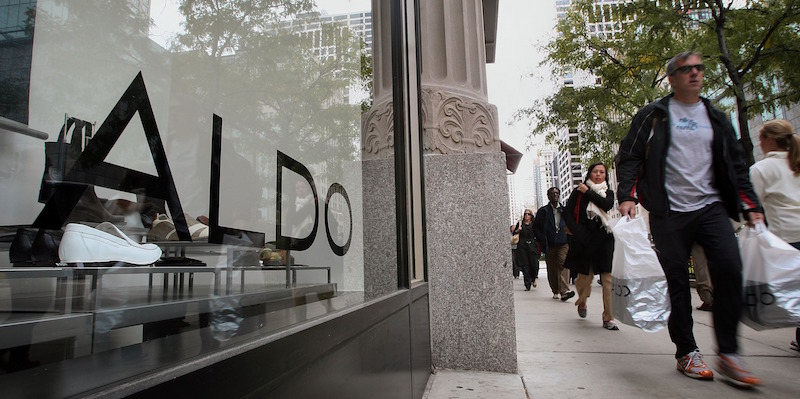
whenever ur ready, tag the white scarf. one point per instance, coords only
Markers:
(592, 210)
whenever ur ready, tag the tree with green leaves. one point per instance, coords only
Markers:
(253, 62)
(281, 76)
(747, 46)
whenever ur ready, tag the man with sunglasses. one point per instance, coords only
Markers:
(681, 161)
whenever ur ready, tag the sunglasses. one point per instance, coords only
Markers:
(528, 213)
(688, 68)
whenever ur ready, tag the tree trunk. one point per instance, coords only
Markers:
(744, 130)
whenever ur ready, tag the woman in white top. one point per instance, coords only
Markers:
(776, 179)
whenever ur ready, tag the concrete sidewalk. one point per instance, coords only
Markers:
(563, 356)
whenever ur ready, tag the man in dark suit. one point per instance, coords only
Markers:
(549, 227)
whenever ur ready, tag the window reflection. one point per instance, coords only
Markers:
(284, 78)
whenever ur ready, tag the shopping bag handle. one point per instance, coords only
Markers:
(758, 228)
(622, 220)
(639, 212)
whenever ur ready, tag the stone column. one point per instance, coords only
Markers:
(377, 150)
(466, 196)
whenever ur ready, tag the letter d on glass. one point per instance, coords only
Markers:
(292, 243)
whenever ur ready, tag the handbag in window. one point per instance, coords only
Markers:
(60, 155)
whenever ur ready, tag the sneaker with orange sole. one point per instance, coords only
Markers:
(693, 366)
(732, 367)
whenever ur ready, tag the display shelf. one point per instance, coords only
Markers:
(291, 272)
(19, 329)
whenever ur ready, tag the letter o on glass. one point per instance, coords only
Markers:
(333, 189)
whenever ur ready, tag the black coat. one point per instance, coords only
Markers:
(590, 245)
(642, 158)
(545, 224)
(528, 247)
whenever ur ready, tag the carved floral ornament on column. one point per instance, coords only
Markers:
(377, 126)
(453, 124)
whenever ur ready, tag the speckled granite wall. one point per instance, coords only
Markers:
(469, 263)
(353, 260)
(380, 231)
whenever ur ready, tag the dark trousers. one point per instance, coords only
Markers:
(528, 261)
(673, 236)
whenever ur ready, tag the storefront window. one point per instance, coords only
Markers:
(228, 138)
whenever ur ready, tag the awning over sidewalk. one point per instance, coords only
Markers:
(513, 157)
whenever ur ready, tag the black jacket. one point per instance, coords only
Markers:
(641, 162)
(545, 225)
(527, 235)
(590, 246)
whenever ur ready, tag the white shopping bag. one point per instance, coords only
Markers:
(771, 271)
(640, 291)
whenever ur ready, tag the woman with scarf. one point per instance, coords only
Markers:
(591, 245)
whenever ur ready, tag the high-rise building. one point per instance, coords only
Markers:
(567, 167)
(16, 44)
(325, 47)
(514, 208)
(538, 183)
(606, 24)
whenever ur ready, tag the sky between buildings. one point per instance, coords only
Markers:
(515, 79)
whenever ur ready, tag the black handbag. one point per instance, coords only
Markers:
(60, 155)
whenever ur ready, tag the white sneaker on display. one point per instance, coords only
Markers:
(104, 243)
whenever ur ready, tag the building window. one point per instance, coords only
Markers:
(16, 43)
(233, 155)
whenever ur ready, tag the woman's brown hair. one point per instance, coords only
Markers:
(783, 133)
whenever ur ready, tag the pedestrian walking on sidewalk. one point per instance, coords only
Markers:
(527, 249)
(702, 279)
(552, 235)
(591, 245)
(514, 265)
(776, 179)
(681, 160)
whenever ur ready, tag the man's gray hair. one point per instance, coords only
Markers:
(672, 64)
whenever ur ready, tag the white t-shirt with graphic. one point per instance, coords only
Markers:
(689, 170)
